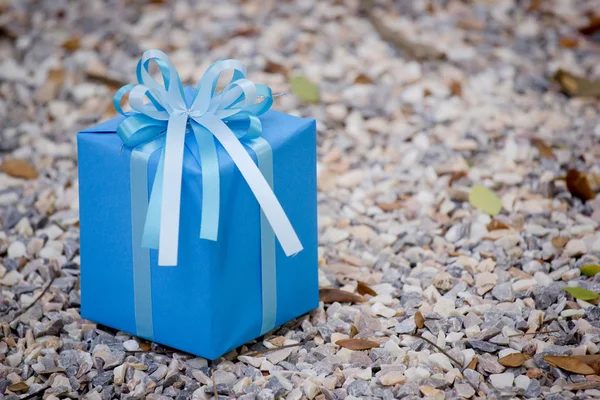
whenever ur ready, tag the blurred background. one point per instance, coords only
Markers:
(455, 138)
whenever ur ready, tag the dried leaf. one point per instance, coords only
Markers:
(576, 86)
(72, 44)
(275, 68)
(513, 360)
(456, 175)
(570, 364)
(485, 200)
(473, 364)
(590, 269)
(592, 27)
(535, 5)
(18, 387)
(581, 293)
(495, 225)
(363, 289)
(357, 344)
(363, 79)
(145, 346)
(50, 89)
(353, 331)
(19, 169)
(304, 89)
(419, 320)
(544, 150)
(568, 42)
(330, 295)
(559, 242)
(456, 88)
(589, 359)
(579, 185)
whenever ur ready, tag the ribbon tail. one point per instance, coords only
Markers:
(151, 236)
(264, 155)
(209, 162)
(142, 284)
(260, 188)
(171, 190)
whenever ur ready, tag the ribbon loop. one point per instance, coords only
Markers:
(167, 115)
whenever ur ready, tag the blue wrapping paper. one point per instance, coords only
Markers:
(211, 302)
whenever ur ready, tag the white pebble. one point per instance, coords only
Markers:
(502, 380)
(16, 250)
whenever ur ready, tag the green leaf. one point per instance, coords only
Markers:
(590, 269)
(485, 200)
(304, 89)
(581, 293)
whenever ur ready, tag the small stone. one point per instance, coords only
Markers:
(131, 345)
(575, 247)
(441, 361)
(17, 250)
(310, 389)
(416, 374)
(432, 393)
(464, 390)
(406, 326)
(503, 292)
(502, 380)
(392, 378)
(522, 381)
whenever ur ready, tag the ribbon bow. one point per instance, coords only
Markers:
(164, 121)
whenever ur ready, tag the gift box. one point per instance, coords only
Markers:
(228, 269)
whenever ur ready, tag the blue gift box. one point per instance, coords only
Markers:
(212, 301)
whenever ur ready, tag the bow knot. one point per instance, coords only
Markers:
(228, 116)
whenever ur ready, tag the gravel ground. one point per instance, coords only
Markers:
(418, 103)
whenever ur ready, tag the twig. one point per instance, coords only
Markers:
(437, 347)
(153, 351)
(534, 333)
(256, 353)
(212, 376)
(418, 50)
(23, 311)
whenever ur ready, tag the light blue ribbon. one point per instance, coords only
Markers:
(231, 117)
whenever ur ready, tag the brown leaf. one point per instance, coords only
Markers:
(19, 169)
(576, 86)
(534, 5)
(357, 344)
(363, 289)
(389, 206)
(514, 360)
(473, 364)
(456, 88)
(73, 43)
(589, 359)
(50, 89)
(559, 242)
(363, 79)
(419, 320)
(592, 27)
(570, 364)
(544, 150)
(495, 225)
(456, 175)
(275, 68)
(247, 31)
(568, 42)
(579, 185)
(145, 346)
(18, 387)
(330, 295)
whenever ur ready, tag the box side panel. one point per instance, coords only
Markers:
(106, 274)
(296, 186)
(238, 274)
